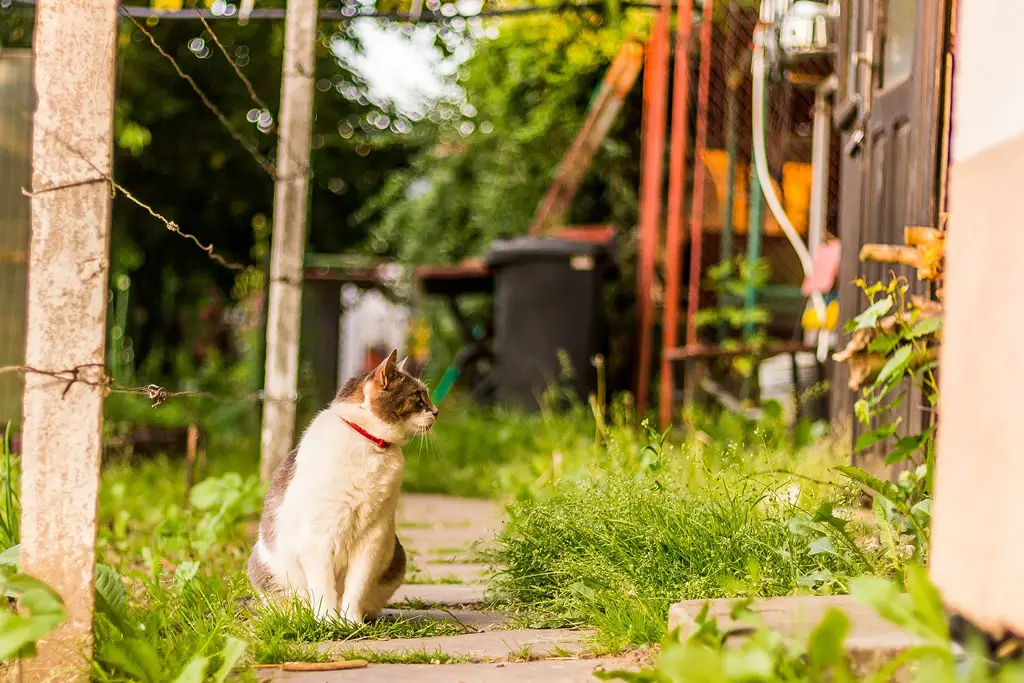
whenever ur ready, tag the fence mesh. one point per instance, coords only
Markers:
(789, 124)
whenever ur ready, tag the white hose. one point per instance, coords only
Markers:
(771, 198)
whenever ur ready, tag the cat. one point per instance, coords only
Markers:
(327, 532)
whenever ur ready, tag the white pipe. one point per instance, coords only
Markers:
(771, 198)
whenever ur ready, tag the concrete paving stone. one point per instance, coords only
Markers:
(481, 646)
(417, 508)
(548, 671)
(871, 640)
(441, 593)
(478, 620)
(436, 572)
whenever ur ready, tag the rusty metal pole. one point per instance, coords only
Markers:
(653, 151)
(676, 189)
(74, 51)
(977, 560)
(697, 205)
(291, 209)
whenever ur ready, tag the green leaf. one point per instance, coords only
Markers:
(232, 652)
(825, 645)
(884, 344)
(11, 557)
(927, 602)
(862, 411)
(40, 612)
(886, 489)
(185, 572)
(907, 446)
(869, 318)
(925, 327)
(112, 598)
(869, 439)
(821, 546)
(194, 671)
(895, 367)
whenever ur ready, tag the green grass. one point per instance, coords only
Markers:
(640, 522)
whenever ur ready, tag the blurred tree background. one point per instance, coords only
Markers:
(429, 177)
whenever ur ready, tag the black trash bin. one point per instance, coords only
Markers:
(547, 301)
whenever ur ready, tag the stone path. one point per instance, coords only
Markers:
(446, 583)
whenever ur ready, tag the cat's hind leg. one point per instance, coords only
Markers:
(387, 583)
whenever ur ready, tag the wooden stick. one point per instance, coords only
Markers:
(918, 236)
(325, 666)
(888, 253)
(190, 460)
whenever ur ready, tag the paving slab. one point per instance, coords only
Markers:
(449, 572)
(441, 594)
(548, 671)
(477, 620)
(871, 640)
(481, 646)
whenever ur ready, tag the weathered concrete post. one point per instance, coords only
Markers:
(977, 553)
(74, 50)
(291, 200)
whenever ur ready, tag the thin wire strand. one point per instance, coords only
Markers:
(257, 100)
(263, 162)
(208, 248)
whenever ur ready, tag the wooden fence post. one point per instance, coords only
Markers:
(977, 558)
(74, 49)
(291, 201)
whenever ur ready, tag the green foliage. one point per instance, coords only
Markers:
(766, 656)
(647, 522)
(904, 336)
(9, 506)
(527, 89)
(39, 611)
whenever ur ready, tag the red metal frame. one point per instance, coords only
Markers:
(652, 162)
(697, 206)
(676, 189)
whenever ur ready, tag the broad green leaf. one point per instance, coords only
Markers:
(111, 596)
(194, 671)
(825, 646)
(869, 439)
(821, 546)
(925, 327)
(862, 411)
(870, 316)
(135, 657)
(749, 664)
(232, 652)
(886, 489)
(907, 446)
(895, 366)
(11, 557)
(185, 572)
(884, 344)
(927, 602)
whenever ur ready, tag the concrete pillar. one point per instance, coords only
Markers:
(977, 549)
(72, 145)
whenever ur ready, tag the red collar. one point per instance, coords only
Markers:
(379, 443)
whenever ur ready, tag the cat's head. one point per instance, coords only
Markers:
(397, 400)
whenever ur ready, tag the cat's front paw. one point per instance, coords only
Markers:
(352, 615)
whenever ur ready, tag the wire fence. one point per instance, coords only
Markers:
(789, 126)
(789, 121)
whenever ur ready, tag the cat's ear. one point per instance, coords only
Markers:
(386, 371)
(403, 364)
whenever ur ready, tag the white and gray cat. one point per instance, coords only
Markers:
(327, 533)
